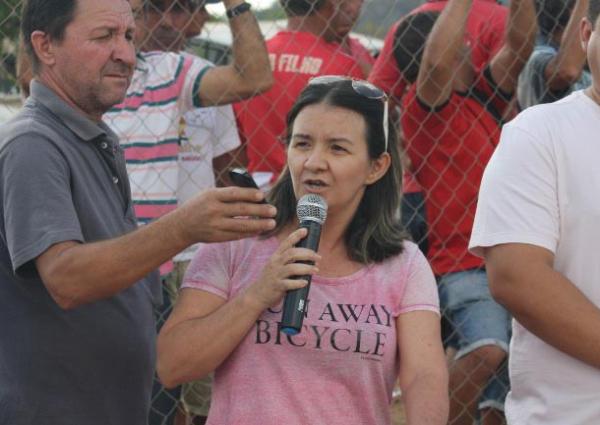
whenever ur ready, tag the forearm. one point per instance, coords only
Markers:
(565, 68)
(83, 273)
(521, 31)
(551, 307)
(447, 36)
(203, 330)
(423, 371)
(426, 400)
(80, 273)
(519, 40)
(250, 57)
(208, 341)
(439, 61)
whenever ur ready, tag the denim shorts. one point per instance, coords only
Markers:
(474, 320)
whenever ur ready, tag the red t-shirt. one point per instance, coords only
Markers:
(449, 148)
(485, 34)
(295, 57)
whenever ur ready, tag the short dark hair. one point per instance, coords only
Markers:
(593, 11)
(49, 16)
(301, 7)
(375, 232)
(409, 42)
(553, 15)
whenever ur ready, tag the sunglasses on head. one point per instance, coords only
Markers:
(363, 88)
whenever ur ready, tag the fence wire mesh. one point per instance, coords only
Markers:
(447, 112)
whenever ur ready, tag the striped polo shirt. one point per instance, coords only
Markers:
(163, 88)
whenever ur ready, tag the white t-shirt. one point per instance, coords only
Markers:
(207, 133)
(542, 187)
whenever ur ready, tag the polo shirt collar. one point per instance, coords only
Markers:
(79, 124)
(141, 64)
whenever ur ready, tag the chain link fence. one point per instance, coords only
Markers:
(445, 146)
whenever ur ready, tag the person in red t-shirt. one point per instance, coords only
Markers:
(451, 119)
(484, 33)
(316, 42)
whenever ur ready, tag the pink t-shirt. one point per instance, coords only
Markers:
(341, 368)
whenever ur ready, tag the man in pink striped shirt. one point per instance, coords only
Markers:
(167, 85)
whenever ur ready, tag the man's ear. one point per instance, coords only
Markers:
(42, 47)
(585, 32)
(379, 167)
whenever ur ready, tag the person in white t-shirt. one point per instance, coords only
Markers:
(537, 226)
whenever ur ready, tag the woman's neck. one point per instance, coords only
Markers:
(332, 238)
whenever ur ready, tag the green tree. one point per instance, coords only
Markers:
(273, 13)
(9, 34)
(10, 11)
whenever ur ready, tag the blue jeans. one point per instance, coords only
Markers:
(474, 320)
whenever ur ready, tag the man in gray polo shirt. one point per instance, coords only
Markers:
(76, 326)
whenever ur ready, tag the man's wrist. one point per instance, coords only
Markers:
(238, 10)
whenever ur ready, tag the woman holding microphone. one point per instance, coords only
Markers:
(371, 315)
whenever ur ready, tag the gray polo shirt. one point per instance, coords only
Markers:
(63, 178)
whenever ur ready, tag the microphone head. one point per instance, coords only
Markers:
(312, 207)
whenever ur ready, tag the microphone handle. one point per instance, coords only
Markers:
(294, 304)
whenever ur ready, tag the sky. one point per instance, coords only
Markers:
(256, 4)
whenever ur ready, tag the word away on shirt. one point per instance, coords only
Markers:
(295, 63)
(356, 328)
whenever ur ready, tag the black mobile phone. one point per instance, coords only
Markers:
(242, 178)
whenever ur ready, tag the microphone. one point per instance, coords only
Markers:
(311, 212)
